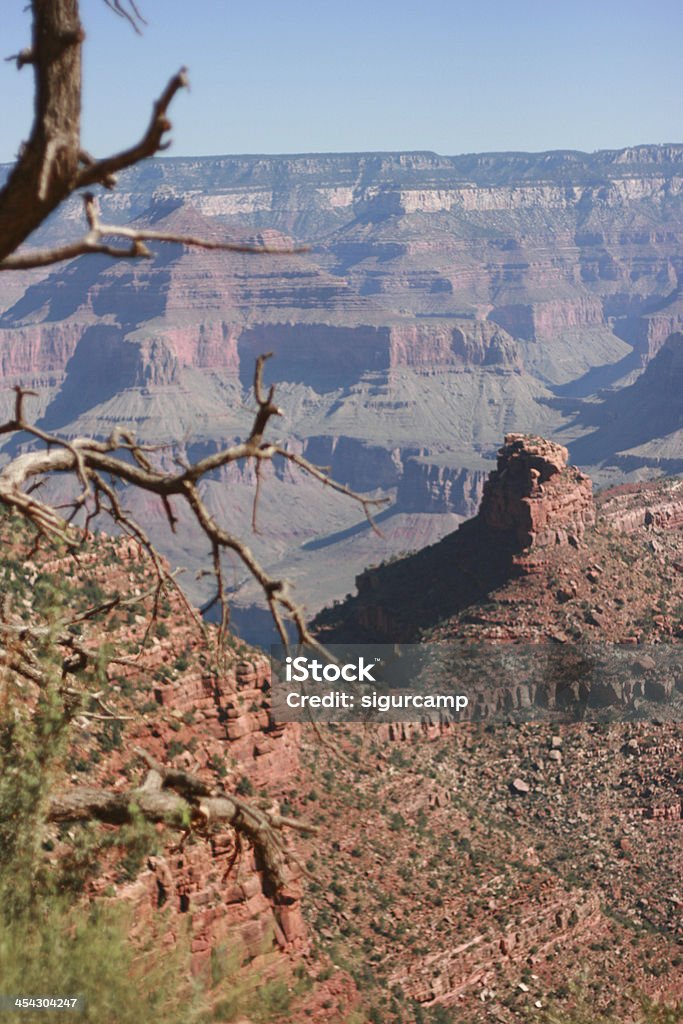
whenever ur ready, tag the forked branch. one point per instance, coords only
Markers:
(183, 800)
(99, 465)
(53, 164)
(95, 241)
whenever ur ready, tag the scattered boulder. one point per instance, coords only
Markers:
(519, 786)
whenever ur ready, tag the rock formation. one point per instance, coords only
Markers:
(537, 523)
(535, 493)
(182, 711)
(223, 719)
(634, 506)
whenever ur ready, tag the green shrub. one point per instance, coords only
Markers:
(86, 952)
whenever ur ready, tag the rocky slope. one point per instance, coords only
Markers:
(490, 874)
(500, 870)
(540, 561)
(162, 687)
(461, 873)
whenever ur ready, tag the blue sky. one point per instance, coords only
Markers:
(278, 76)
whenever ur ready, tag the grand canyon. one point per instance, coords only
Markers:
(443, 302)
(492, 347)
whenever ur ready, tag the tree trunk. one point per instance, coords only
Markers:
(47, 167)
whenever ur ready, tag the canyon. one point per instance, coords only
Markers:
(443, 302)
(458, 871)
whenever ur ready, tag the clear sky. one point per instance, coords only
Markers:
(454, 76)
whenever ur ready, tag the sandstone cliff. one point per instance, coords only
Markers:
(534, 492)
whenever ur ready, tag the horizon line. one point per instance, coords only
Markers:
(402, 152)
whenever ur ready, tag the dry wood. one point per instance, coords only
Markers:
(180, 799)
(51, 166)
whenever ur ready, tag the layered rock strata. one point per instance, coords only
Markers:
(223, 887)
(536, 494)
(633, 506)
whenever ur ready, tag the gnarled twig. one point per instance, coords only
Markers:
(97, 465)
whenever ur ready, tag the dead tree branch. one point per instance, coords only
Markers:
(99, 464)
(131, 13)
(53, 164)
(94, 242)
(102, 172)
(48, 166)
(180, 799)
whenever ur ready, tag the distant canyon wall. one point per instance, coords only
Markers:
(419, 480)
(581, 254)
(322, 355)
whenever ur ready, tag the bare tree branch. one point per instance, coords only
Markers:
(178, 798)
(51, 167)
(22, 58)
(101, 172)
(131, 13)
(53, 163)
(93, 242)
(95, 463)
(48, 165)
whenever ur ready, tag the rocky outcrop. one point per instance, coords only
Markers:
(538, 563)
(225, 890)
(532, 501)
(535, 494)
(634, 506)
(189, 709)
